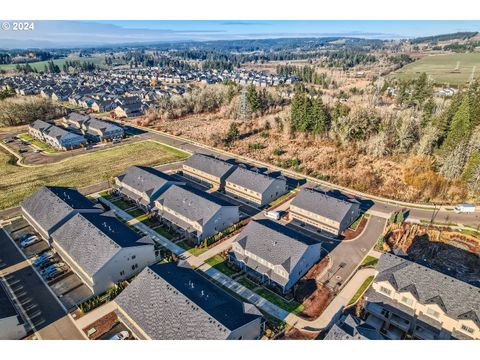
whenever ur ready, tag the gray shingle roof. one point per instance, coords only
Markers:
(458, 299)
(196, 205)
(40, 125)
(209, 165)
(352, 328)
(252, 180)
(145, 180)
(100, 125)
(91, 240)
(275, 243)
(78, 117)
(51, 204)
(323, 204)
(174, 303)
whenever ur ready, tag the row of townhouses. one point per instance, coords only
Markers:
(163, 301)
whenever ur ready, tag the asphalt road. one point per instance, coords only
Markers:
(346, 255)
(49, 318)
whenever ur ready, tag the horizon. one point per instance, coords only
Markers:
(105, 33)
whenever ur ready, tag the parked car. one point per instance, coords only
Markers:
(116, 141)
(46, 256)
(122, 335)
(55, 273)
(7, 141)
(275, 215)
(24, 236)
(29, 241)
(464, 208)
(21, 151)
(36, 151)
(52, 268)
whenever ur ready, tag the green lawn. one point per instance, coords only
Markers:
(40, 65)
(17, 182)
(218, 262)
(164, 232)
(282, 198)
(196, 251)
(370, 261)
(290, 306)
(122, 204)
(37, 143)
(362, 289)
(136, 213)
(441, 68)
(247, 283)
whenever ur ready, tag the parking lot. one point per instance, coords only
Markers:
(65, 284)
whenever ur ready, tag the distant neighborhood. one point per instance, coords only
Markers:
(129, 92)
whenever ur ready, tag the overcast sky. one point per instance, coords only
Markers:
(97, 33)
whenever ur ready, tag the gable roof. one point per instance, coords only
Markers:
(195, 205)
(458, 299)
(51, 204)
(248, 179)
(275, 243)
(323, 204)
(39, 125)
(74, 116)
(91, 240)
(352, 328)
(209, 165)
(97, 124)
(145, 179)
(169, 302)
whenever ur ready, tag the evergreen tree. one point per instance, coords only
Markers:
(460, 126)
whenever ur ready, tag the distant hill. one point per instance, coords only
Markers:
(444, 37)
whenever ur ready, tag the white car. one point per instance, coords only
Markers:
(29, 241)
(122, 335)
(275, 215)
(464, 208)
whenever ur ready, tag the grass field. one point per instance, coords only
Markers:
(440, 68)
(18, 182)
(40, 65)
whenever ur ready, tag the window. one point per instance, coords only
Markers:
(407, 301)
(122, 273)
(385, 290)
(467, 329)
(134, 266)
(134, 256)
(433, 313)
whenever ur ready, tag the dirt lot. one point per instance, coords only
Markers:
(442, 249)
(312, 293)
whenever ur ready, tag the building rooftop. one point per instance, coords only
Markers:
(51, 204)
(275, 243)
(145, 179)
(91, 240)
(209, 165)
(252, 180)
(322, 204)
(195, 205)
(456, 298)
(169, 302)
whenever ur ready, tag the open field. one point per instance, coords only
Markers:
(441, 68)
(18, 182)
(40, 65)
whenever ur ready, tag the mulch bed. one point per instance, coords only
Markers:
(351, 234)
(103, 325)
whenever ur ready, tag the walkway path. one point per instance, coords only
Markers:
(334, 309)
